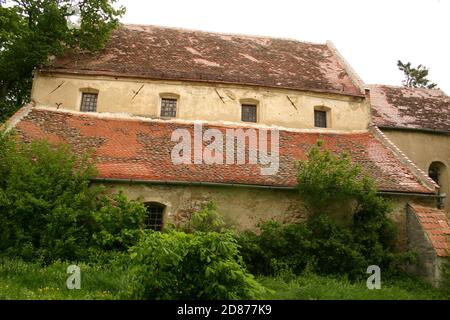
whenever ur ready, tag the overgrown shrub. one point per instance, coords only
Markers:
(206, 220)
(119, 223)
(49, 210)
(198, 265)
(322, 243)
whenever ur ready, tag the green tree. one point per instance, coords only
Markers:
(50, 210)
(334, 189)
(416, 77)
(326, 180)
(32, 31)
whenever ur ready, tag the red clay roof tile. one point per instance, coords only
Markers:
(176, 54)
(438, 231)
(411, 108)
(133, 148)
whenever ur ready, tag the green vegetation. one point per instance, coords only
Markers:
(415, 77)
(111, 280)
(199, 265)
(346, 244)
(32, 31)
(310, 286)
(50, 218)
(49, 211)
(31, 280)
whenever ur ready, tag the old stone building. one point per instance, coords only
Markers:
(126, 101)
(418, 122)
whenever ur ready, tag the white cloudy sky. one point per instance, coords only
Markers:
(371, 34)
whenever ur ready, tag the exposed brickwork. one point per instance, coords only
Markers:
(436, 226)
(412, 108)
(168, 53)
(132, 148)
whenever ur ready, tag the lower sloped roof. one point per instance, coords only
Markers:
(138, 148)
(410, 108)
(436, 226)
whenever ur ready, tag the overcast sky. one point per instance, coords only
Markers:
(371, 34)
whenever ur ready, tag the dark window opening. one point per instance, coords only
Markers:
(89, 102)
(433, 173)
(438, 172)
(154, 219)
(320, 118)
(248, 113)
(168, 107)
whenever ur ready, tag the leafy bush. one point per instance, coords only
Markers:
(199, 265)
(322, 243)
(119, 223)
(206, 220)
(325, 179)
(49, 210)
(274, 246)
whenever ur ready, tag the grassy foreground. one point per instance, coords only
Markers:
(21, 280)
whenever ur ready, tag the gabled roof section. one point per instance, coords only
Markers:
(155, 52)
(410, 108)
(140, 149)
(436, 226)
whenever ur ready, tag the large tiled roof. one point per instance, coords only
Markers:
(410, 108)
(436, 226)
(178, 54)
(137, 148)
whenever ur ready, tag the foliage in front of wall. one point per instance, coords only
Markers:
(49, 211)
(206, 220)
(198, 265)
(321, 243)
(119, 223)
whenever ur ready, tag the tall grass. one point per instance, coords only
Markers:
(313, 287)
(28, 281)
(109, 279)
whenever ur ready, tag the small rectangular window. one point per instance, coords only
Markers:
(168, 107)
(320, 118)
(154, 218)
(248, 113)
(88, 102)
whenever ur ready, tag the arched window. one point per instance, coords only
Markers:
(436, 171)
(155, 213)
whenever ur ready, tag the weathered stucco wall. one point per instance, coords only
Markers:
(241, 207)
(212, 102)
(244, 207)
(427, 264)
(423, 149)
(399, 214)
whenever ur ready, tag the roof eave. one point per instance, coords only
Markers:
(403, 128)
(105, 73)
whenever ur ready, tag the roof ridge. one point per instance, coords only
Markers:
(242, 35)
(18, 116)
(419, 173)
(406, 88)
(347, 67)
